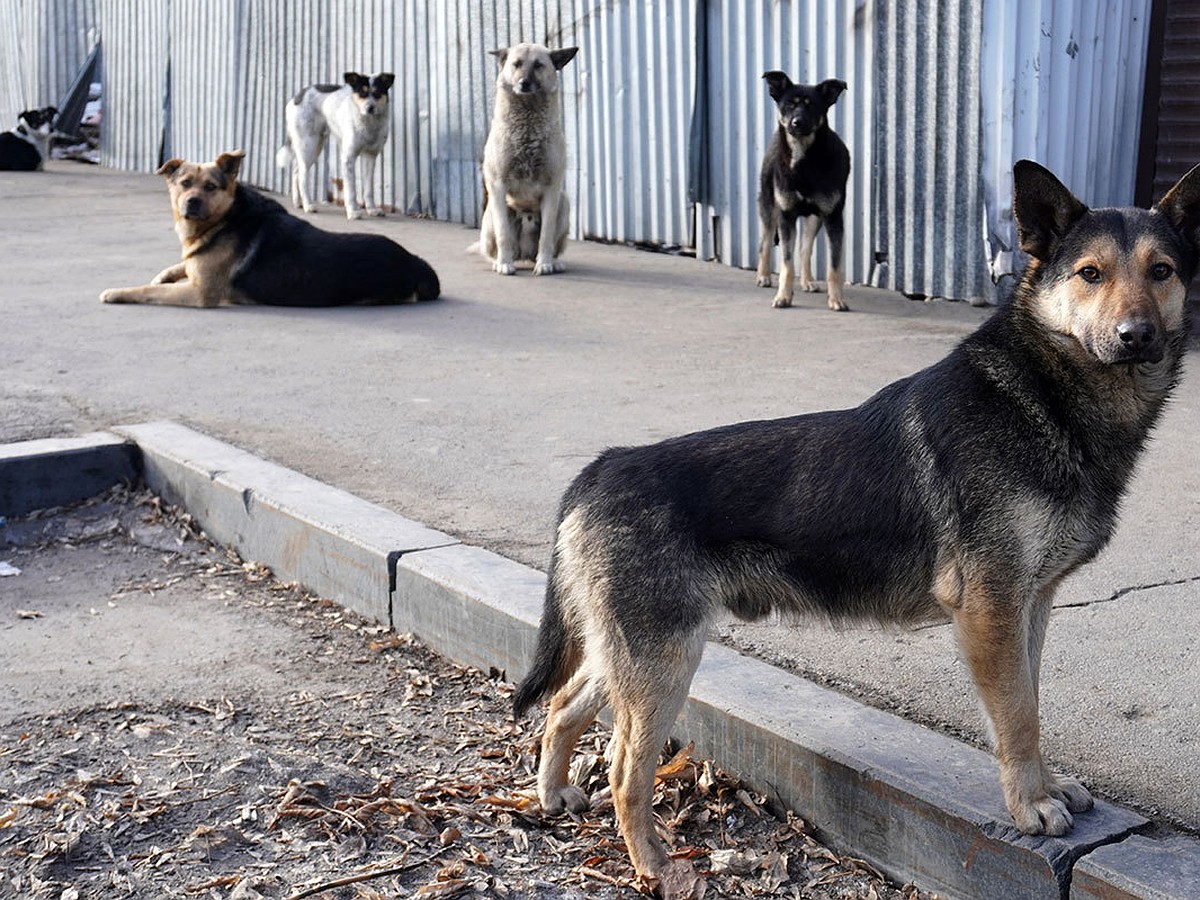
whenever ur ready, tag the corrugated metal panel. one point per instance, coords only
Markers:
(1061, 83)
(134, 51)
(927, 190)
(634, 84)
(43, 44)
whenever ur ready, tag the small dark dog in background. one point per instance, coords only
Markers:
(27, 147)
(803, 174)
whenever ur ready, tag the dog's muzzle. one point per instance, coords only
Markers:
(798, 127)
(193, 208)
(1140, 341)
(526, 86)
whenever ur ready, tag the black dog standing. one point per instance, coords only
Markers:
(803, 174)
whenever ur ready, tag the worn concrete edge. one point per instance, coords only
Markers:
(911, 801)
(56, 471)
(336, 544)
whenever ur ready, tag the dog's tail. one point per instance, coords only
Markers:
(283, 156)
(556, 656)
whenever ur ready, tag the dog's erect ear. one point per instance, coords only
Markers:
(501, 55)
(561, 57)
(831, 89)
(385, 80)
(231, 163)
(355, 80)
(51, 111)
(169, 168)
(1043, 207)
(777, 83)
(1181, 206)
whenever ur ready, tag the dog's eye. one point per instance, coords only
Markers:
(1161, 271)
(186, 183)
(538, 65)
(1090, 274)
(210, 186)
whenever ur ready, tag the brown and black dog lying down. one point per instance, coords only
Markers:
(241, 247)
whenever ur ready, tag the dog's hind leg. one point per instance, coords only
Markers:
(836, 278)
(304, 154)
(647, 696)
(808, 237)
(572, 709)
(766, 241)
(787, 272)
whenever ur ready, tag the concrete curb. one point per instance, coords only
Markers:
(920, 806)
(55, 471)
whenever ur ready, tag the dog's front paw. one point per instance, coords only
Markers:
(782, 301)
(1044, 815)
(1070, 793)
(565, 798)
(375, 212)
(548, 268)
(353, 213)
(809, 287)
(837, 304)
(503, 268)
(112, 295)
(762, 281)
(308, 208)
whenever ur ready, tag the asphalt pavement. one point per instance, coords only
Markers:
(473, 413)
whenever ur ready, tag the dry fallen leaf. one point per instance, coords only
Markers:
(29, 614)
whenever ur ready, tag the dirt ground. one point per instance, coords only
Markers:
(176, 723)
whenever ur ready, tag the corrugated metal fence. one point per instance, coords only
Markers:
(667, 116)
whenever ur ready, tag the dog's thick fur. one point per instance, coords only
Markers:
(27, 147)
(804, 174)
(524, 162)
(241, 247)
(358, 113)
(966, 492)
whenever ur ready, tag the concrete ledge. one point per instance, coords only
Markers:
(336, 544)
(55, 471)
(916, 804)
(1140, 869)
(920, 806)
(472, 605)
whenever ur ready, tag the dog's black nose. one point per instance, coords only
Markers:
(193, 206)
(1137, 334)
(1141, 340)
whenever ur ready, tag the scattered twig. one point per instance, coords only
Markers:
(366, 876)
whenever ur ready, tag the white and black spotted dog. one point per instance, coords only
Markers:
(27, 147)
(359, 116)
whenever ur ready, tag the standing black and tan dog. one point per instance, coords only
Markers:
(804, 173)
(240, 247)
(524, 162)
(967, 492)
